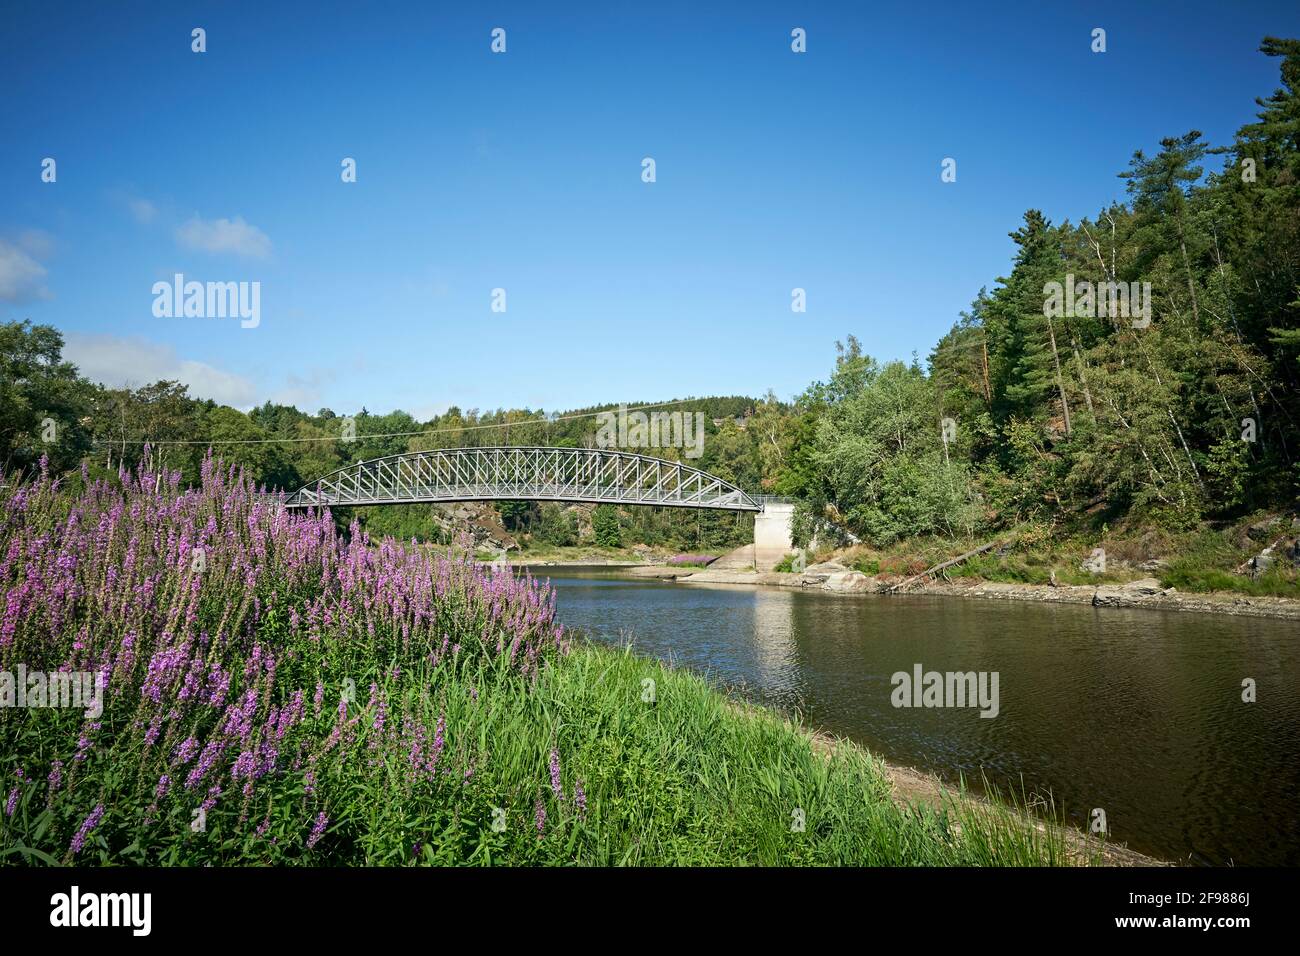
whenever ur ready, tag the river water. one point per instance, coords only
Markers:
(1138, 713)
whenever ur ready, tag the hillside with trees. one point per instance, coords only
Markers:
(1055, 423)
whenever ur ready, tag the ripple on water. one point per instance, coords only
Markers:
(1137, 712)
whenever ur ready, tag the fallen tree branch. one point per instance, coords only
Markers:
(942, 565)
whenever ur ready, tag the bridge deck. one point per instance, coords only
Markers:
(576, 475)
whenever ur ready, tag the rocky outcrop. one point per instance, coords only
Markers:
(826, 567)
(851, 582)
(1117, 595)
(820, 573)
(1143, 593)
(580, 515)
(1267, 528)
(1284, 548)
(479, 522)
(1095, 563)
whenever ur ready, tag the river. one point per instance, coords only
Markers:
(1136, 712)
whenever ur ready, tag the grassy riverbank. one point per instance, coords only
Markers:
(674, 773)
(1201, 561)
(278, 694)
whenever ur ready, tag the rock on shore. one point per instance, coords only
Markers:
(1144, 593)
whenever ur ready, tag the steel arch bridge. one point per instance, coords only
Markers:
(586, 475)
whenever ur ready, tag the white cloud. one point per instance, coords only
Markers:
(118, 362)
(37, 242)
(143, 210)
(224, 235)
(20, 275)
(304, 391)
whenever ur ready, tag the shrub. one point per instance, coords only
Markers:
(604, 523)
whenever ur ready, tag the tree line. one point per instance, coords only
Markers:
(1139, 365)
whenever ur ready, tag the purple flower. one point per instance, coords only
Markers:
(84, 743)
(439, 741)
(557, 787)
(580, 798)
(186, 750)
(12, 803)
(541, 817)
(207, 760)
(99, 579)
(318, 830)
(92, 821)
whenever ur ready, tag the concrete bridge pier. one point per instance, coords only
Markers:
(773, 538)
(772, 541)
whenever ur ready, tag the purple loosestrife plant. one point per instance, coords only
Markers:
(317, 830)
(79, 841)
(557, 787)
(216, 672)
(702, 559)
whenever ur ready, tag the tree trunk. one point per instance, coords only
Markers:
(944, 564)
(1187, 267)
(988, 393)
(1083, 379)
(1060, 384)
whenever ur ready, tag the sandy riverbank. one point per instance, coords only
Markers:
(912, 786)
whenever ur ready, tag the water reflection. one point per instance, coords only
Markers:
(1137, 712)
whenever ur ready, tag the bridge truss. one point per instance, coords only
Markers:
(586, 475)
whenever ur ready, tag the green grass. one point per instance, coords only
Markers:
(675, 773)
(868, 566)
(1032, 569)
(1187, 575)
(1205, 561)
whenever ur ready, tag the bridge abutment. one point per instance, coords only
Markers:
(773, 535)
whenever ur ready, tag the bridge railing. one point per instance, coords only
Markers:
(537, 473)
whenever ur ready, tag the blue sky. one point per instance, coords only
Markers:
(522, 171)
